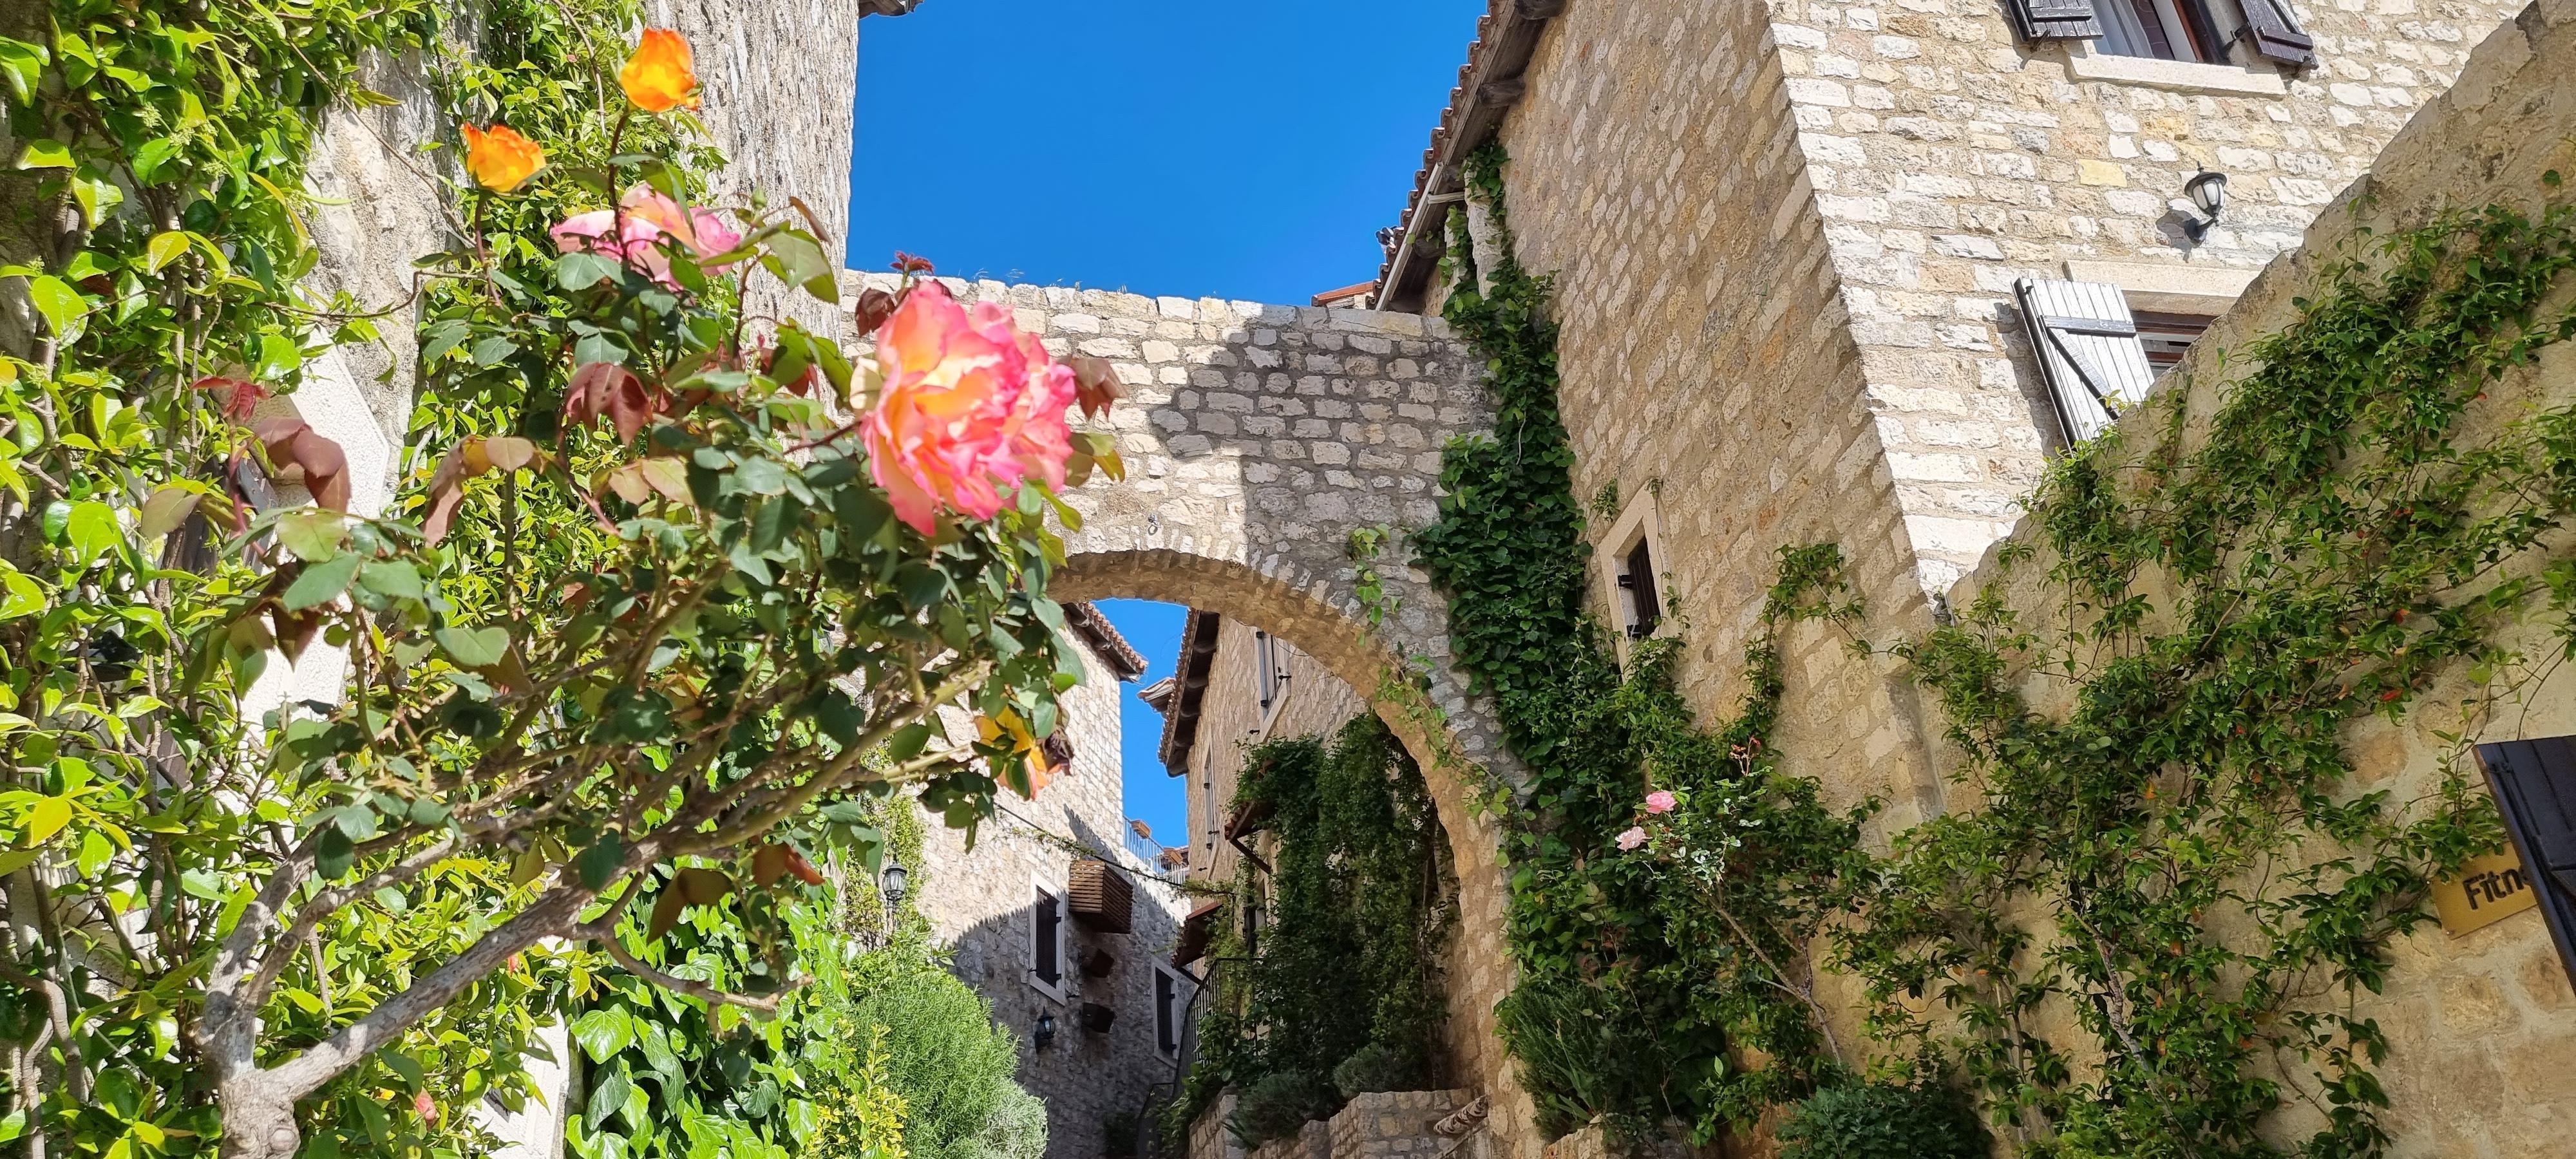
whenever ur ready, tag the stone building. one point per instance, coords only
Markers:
(1850, 272)
(1060, 918)
(1236, 686)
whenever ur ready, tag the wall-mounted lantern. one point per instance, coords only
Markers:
(1043, 1033)
(2207, 190)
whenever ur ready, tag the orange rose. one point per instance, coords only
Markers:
(658, 77)
(499, 158)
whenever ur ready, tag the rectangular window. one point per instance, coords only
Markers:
(1046, 940)
(1266, 662)
(2164, 29)
(2535, 788)
(1644, 610)
(2166, 336)
(1167, 1011)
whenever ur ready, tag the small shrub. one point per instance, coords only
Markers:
(1876, 1121)
(1379, 1067)
(1279, 1106)
(1017, 1128)
(947, 1059)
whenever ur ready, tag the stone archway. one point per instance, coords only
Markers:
(1257, 439)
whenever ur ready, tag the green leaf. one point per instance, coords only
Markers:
(474, 647)
(312, 534)
(46, 817)
(609, 1098)
(392, 578)
(166, 511)
(23, 596)
(24, 65)
(45, 153)
(165, 248)
(603, 1032)
(92, 531)
(580, 270)
(758, 477)
(322, 583)
(598, 864)
(62, 306)
(492, 351)
(279, 357)
(332, 852)
(798, 260)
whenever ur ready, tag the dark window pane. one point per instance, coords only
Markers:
(1045, 918)
(2535, 790)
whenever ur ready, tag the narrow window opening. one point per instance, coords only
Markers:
(1046, 941)
(1167, 1012)
(1644, 610)
(2184, 30)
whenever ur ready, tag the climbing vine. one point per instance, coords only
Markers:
(1648, 960)
(2180, 862)
(1339, 992)
(2183, 859)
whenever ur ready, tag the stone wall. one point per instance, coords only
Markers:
(2479, 1022)
(1948, 160)
(978, 901)
(1708, 369)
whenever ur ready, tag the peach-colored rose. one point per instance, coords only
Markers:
(1631, 839)
(969, 407)
(650, 220)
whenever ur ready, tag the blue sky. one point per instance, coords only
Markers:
(1234, 148)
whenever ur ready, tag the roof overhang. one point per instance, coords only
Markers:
(1181, 720)
(1489, 84)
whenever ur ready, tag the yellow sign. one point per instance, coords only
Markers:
(2488, 890)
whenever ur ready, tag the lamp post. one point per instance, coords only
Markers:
(2207, 190)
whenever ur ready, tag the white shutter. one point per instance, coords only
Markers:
(2088, 351)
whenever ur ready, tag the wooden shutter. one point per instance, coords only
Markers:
(1046, 938)
(1167, 1023)
(2276, 33)
(2535, 789)
(1101, 897)
(2054, 19)
(2088, 351)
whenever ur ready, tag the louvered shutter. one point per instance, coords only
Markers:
(2088, 351)
(2535, 789)
(2054, 19)
(2276, 33)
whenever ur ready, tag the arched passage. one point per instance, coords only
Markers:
(1257, 440)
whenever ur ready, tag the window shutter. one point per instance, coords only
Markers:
(2054, 19)
(2276, 33)
(2088, 351)
(1046, 940)
(2535, 789)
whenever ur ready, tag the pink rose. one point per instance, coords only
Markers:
(1634, 837)
(1660, 801)
(650, 221)
(969, 407)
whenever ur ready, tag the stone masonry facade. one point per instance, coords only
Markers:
(979, 901)
(1785, 236)
(1947, 160)
(1311, 701)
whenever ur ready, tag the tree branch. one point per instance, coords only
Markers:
(605, 933)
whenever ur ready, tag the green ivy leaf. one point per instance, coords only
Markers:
(603, 1032)
(45, 153)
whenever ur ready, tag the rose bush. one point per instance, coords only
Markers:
(633, 646)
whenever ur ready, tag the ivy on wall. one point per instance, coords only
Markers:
(1641, 963)
(2183, 859)
(1339, 990)
(2180, 864)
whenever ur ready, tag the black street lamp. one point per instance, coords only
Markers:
(2208, 193)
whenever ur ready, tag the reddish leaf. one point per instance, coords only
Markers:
(1095, 384)
(768, 864)
(605, 388)
(446, 490)
(803, 869)
(295, 630)
(292, 445)
(666, 912)
(875, 306)
(905, 263)
(240, 396)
